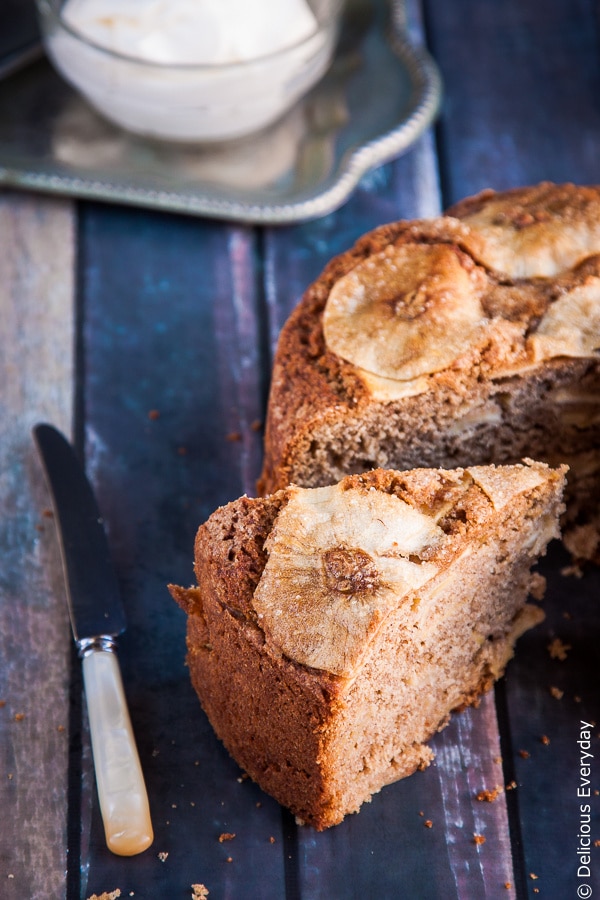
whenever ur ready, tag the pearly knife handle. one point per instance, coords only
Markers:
(119, 777)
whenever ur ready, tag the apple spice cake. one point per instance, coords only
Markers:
(333, 630)
(468, 339)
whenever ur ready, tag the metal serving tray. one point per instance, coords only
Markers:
(378, 97)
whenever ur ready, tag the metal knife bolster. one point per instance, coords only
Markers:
(88, 645)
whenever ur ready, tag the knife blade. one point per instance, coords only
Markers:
(97, 618)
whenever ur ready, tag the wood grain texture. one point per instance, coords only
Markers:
(521, 92)
(172, 392)
(179, 320)
(522, 106)
(445, 861)
(37, 339)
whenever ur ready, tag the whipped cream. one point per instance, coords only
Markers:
(190, 70)
(191, 32)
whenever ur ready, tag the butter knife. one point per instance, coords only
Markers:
(97, 618)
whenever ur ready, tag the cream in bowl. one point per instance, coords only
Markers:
(187, 70)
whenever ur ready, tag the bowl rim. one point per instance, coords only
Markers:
(51, 10)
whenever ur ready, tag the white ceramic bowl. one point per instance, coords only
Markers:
(187, 102)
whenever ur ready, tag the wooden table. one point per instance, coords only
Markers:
(148, 337)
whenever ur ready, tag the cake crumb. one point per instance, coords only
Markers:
(558, 649)
(488, 796)
(271, 840)
(582, 541)
(106, 895)
(479, 839)
(2, 703)
(545, 739)
(508, 885)
(524, 754)
(256, 425)
(556, 693)
(511, 786)
(162, 856)
(233, 436)
(596, 843)
(226, 836)
(428, 823)
(537, 586)
(199, 892)
(153, 415)
(574, 571)
(533, 876)
(229, 859)
(19, 717)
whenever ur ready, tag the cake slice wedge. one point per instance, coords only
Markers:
(333, 630)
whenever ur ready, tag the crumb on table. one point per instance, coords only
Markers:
(537, 587)
(488, 796)
(558, 649)
(106, 895)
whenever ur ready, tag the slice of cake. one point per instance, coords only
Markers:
(472, 338)
(334, 629)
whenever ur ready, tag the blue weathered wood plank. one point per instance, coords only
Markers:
(36, 368)
(521, 92)
(386, 848)
(551, 702)
(522, 106)
(172, 392)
